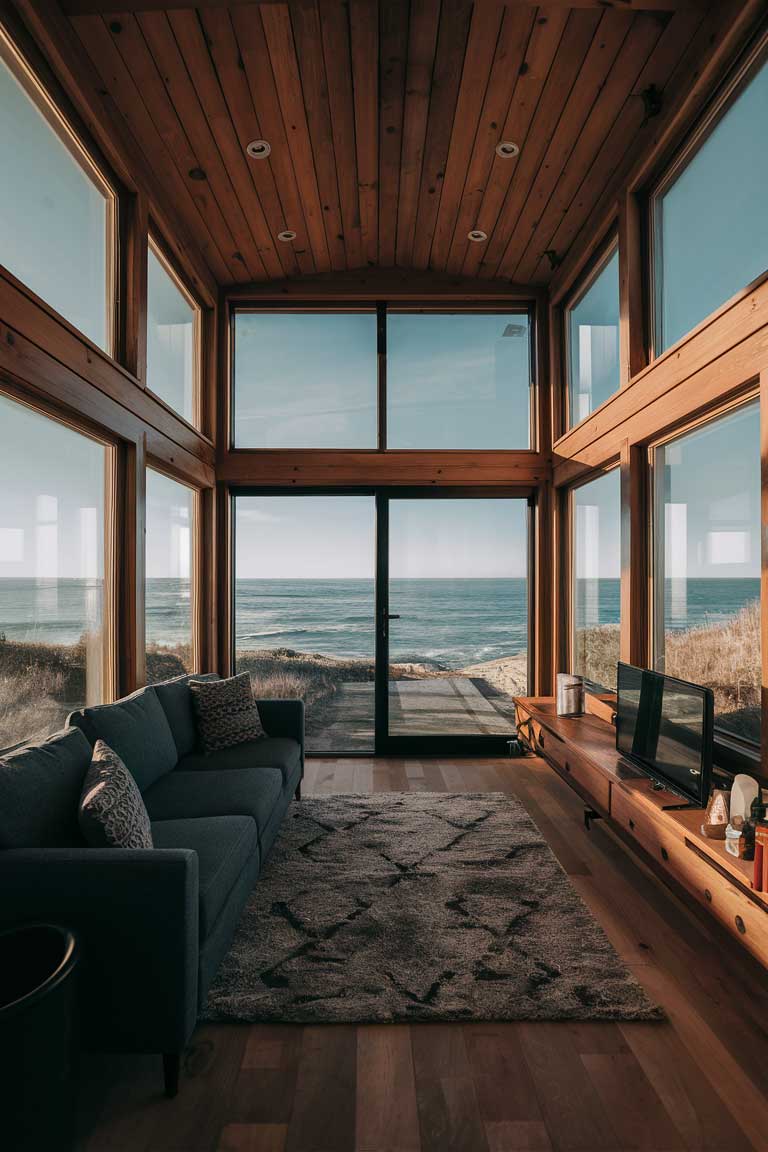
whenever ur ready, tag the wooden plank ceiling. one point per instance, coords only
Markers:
(383, 121)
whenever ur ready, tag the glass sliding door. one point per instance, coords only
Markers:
(455, 618)
(305, 569)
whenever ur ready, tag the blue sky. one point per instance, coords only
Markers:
(308, 380)
(333, 537)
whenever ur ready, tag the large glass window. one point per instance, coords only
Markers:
(710, 223)
(56, 211)
(304, 610)
(707, 564)
(459, 380)
(596, 593)
(52, 648)
(592, 323)
(172, 338)
(169, 569)
(305, 379)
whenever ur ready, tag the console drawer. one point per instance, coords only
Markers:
(588, 781)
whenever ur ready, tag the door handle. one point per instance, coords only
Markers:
(393, 615)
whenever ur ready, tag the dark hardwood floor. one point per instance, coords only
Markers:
(696, 1082)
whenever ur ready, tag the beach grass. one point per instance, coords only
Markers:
(41, 683)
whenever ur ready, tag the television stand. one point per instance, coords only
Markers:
(651, 821)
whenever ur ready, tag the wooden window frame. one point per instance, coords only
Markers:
(599, 260)
(733, 753)
(62, 124)
(381, 309)
(749, 64)
(159, 249)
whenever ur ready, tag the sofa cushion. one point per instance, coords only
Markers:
(39, 791)
(226, 712)
(250, 792)
(112, 812)
(176, 700)
(278, 752)
(136, 729)
(224, 845)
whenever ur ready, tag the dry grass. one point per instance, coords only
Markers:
(40, 684)
(724, 657)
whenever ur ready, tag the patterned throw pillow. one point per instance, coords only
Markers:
(226, 712)
(112, 813)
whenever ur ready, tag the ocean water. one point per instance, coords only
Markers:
(450, 622)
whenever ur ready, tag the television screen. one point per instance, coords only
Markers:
(665, 727)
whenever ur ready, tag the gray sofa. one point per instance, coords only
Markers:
(154, 924)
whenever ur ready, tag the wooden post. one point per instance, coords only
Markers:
(132, 501)
(764, 569)
(634, 555)
(632, 352)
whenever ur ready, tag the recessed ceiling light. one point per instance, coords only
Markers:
(477, 236)
(286, 236)
(258, 149)
(507, 149)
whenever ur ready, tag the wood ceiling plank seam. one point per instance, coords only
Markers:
(393, 49)
(587, 89)
(515, 36)
(546, 36)
(364, 48)
(482, 45)
(452, 37)
(422, 43)
(635, 53)
(657, 70)
(129, 95)
(337, 57)
(278, 33)
(162, 44)
(193, 46)
(687, 89)
(307, 37)
(230, 69)
(252, 47)
(580, 31)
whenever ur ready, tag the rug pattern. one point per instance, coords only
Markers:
(419, 906)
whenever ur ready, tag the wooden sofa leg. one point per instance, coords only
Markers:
(171, 1069)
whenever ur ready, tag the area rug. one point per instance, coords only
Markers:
(419, 906)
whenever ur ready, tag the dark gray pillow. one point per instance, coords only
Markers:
(226, 712)
(112, 813)
(176, 699)
(137, 729)
(39, 788)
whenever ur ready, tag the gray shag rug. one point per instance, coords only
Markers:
(419, 906)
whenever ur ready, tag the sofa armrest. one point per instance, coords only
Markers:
(284, 718)
(135, 912)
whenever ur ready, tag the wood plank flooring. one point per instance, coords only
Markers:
(697, 1082)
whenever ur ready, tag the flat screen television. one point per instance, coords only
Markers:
(665, 727)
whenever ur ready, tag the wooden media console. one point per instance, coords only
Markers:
(582, 750)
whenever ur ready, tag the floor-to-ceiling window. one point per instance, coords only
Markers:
(53, 651)
(706, 522)
(305, 571)
(457, 635)
(596, 579)
(169, 578)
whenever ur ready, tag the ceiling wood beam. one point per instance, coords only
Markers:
(115, 7)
